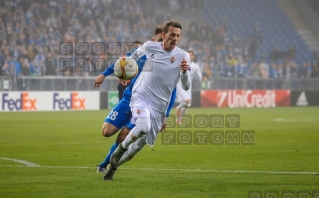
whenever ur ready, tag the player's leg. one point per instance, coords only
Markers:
(141, 118)
(141, 128)
(115, 120)
(185, 97)
(120, 137)
(182, 104)
(123, 133)
(109, 129)
(102, 165)
(181, 109)
(133, 149)
(156, 120)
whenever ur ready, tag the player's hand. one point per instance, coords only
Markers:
(184, 66)
(124, 82)
(163, 126)
(98, 80)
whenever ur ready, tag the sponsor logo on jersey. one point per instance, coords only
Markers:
(138, 111)
(152, 56)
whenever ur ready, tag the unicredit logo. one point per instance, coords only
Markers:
(247, 98)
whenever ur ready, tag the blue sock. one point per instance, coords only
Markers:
(108, 157)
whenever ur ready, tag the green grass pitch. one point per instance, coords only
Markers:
(53, 154)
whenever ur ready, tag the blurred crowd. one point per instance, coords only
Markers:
(222, 55)
(30, 33)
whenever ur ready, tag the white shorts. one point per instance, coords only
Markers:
(182, 95)
(141, 109)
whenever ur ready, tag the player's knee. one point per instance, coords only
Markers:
(145, 127)
(108, 131)
(122, 135)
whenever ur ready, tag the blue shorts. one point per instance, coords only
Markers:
(130, 126)
(120, 116)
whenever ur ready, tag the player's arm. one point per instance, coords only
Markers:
(108, 71)
(100, 78)
(185, 77)
(140, 51)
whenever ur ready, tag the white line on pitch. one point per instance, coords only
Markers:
(304, 119)
(182, 170)
(20, 161)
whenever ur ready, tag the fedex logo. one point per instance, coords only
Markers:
(22, 103)
(72, 102)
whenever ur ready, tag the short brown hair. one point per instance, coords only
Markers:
(138, 42)
(158, 30)
(191, 51)
(171, 23)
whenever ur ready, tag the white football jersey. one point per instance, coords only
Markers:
(160, 74)
(195, 71)
(181, 94)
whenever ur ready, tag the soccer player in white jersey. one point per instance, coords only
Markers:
(121, 118)
(166, 64)
(184, 97)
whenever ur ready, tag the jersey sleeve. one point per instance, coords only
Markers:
(185, 77)
(140, 51)
(109, 70)
(129, 53)
(171, 102)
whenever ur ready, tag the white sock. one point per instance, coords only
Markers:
(183, 111)
(182, 104)
(142, 126)
(133, 149)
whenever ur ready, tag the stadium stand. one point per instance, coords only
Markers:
(238, 39)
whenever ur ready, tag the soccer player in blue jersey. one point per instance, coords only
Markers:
(120, 116)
